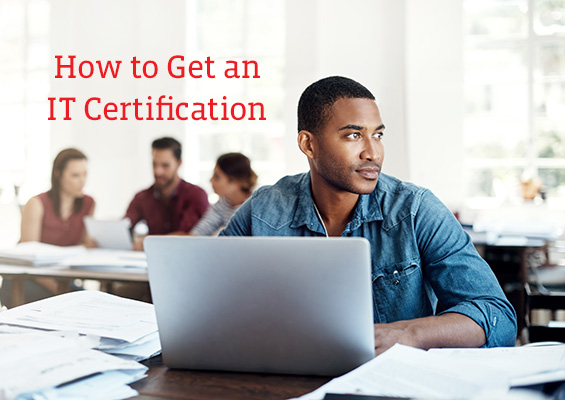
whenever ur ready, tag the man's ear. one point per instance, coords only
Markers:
(305, 143)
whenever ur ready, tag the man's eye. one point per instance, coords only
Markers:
(378, 135)
(354, 135)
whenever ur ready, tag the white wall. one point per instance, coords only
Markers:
(360, 39)
(434, 97)
(119, 151)
(407, 52)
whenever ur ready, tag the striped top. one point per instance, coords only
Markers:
(214, 219)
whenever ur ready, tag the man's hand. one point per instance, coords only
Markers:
(387, 335)
(446, 330)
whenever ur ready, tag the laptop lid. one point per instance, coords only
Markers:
(262, 304)
(109, 234)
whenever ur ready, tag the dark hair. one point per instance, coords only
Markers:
(59, 165)
(168, 143)
(316, 102)
(238, 167)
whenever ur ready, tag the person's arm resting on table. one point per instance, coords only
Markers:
(477, 313)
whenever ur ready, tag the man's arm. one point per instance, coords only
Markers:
(464, 283)
(446, 330)
(133, 212)
(190, 216)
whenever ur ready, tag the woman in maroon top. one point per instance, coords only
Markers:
(56, 216)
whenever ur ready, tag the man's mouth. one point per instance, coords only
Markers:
(369, 172)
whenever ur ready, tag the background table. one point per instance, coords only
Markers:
(64, 277)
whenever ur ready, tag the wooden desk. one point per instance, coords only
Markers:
(64, 277)
(163, 383)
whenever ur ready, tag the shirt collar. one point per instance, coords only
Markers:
(367, 209)
(159, 195)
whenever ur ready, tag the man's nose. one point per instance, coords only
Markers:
(370, 150)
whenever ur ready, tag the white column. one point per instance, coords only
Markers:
(434, 97)
(119, 151)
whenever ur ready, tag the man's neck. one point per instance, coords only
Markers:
(335, 206)
(167, 191)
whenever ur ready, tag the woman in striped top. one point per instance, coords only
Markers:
(233, 181)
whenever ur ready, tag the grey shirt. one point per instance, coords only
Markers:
(215, 218)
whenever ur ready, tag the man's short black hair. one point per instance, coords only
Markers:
(168, 143)
(316, 103)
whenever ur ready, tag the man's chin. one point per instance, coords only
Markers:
(162, 184)
(366, 187)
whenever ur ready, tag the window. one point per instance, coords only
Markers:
(24, 87)
(514, 124)
(237, 30)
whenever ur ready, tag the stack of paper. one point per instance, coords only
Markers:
(115, 260)
(449, 373)
(35, 253)
(520, 366)
(38, 365)
(123, 326)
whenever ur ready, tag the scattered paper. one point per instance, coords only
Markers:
(37, 254)
(408, 372)
(101, 259)
(33, 362)
(87, 312)
(520, 366)
(451, 373)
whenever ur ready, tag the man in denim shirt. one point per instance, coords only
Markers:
(421, 257)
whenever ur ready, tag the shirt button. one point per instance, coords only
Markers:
(396, 282)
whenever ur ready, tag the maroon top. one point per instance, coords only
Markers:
(181, 212)
(60, 232)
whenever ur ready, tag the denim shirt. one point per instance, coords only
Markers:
(420, 254)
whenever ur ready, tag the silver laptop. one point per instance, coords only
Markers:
(262, 304)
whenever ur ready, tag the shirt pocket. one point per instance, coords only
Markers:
(398, 292)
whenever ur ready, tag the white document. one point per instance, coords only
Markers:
(109, 385)
(103, 259)
(111, 234)
(37, 254)
(39, 361)
(140, 350)
(526, 365)
(87, 312)
(408, 372)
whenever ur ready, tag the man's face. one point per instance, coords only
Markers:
(348, 152)
(165, 167)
